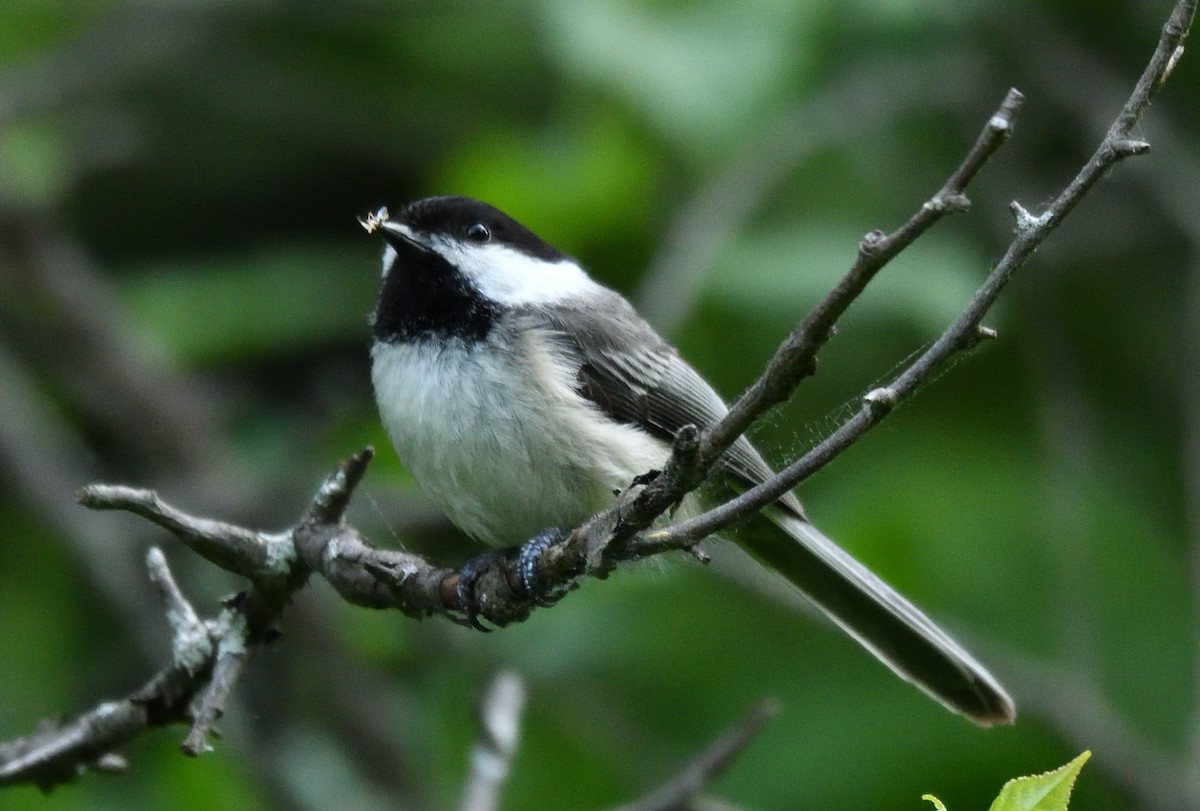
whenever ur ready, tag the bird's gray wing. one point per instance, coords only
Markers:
(635, 377)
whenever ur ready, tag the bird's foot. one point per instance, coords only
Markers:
(527, 562)
(468, 575)
(643, 479)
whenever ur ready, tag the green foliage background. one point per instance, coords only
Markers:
(183, 300)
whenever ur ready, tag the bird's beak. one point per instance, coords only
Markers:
(401, 236)
(397, 234)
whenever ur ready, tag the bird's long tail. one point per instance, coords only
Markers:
(872, 612)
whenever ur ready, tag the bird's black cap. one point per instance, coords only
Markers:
(459, 217)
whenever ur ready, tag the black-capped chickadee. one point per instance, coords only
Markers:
(521, 395)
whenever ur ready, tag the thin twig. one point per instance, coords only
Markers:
(499, 729)
(1176, 177)
(795, 358)
(278, 564)
(242, 551)
(852, 107)
(965, 332)
(191, 641)
(207, 657)
(609, 537)
(708, 765)
(58, 752)
(231, 658)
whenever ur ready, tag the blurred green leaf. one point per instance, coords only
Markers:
(34, 162)
(698, 71)
(31, 27)
(574, 185)
(240, 308)
(785, 270)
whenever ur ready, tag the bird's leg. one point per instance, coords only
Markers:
(527, 562)
(644, 479)
(468, 574)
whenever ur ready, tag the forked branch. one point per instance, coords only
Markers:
(209, 655)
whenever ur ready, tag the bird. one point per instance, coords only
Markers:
(522, 395)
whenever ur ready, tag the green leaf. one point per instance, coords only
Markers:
(1041, 792)
(938, 804)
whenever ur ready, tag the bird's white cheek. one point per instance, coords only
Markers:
(515, 279)
(389, 257)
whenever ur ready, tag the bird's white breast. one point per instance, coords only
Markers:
(505, 447)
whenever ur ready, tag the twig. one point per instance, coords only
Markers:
(609, 538)
(230, 658)
(966, 331)
(499, 728)
(59, 752)
(207, 656)
(1175, 179)
(708, 765)
(850, 108)
(278, 564)
(796, 357)
(234, 549)
(192, 645)
(368, 576)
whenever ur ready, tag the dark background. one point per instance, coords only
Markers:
(183, 302)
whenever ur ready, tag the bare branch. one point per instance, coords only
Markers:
(206, 666)
(965, 333)
(230, 658)
(796, 357)
(709, 765)
(499, 728)
(793, 361)
(241, 551)
(851, 108)
(378, 578)
(192, 644)
(59, 752)
(207, 656)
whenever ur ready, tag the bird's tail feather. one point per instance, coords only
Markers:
(872, 612)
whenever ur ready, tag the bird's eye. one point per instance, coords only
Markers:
(478, 232)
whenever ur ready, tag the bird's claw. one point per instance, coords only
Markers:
(527, 562)
(527, 558)
(643, 479)
(464, 590)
